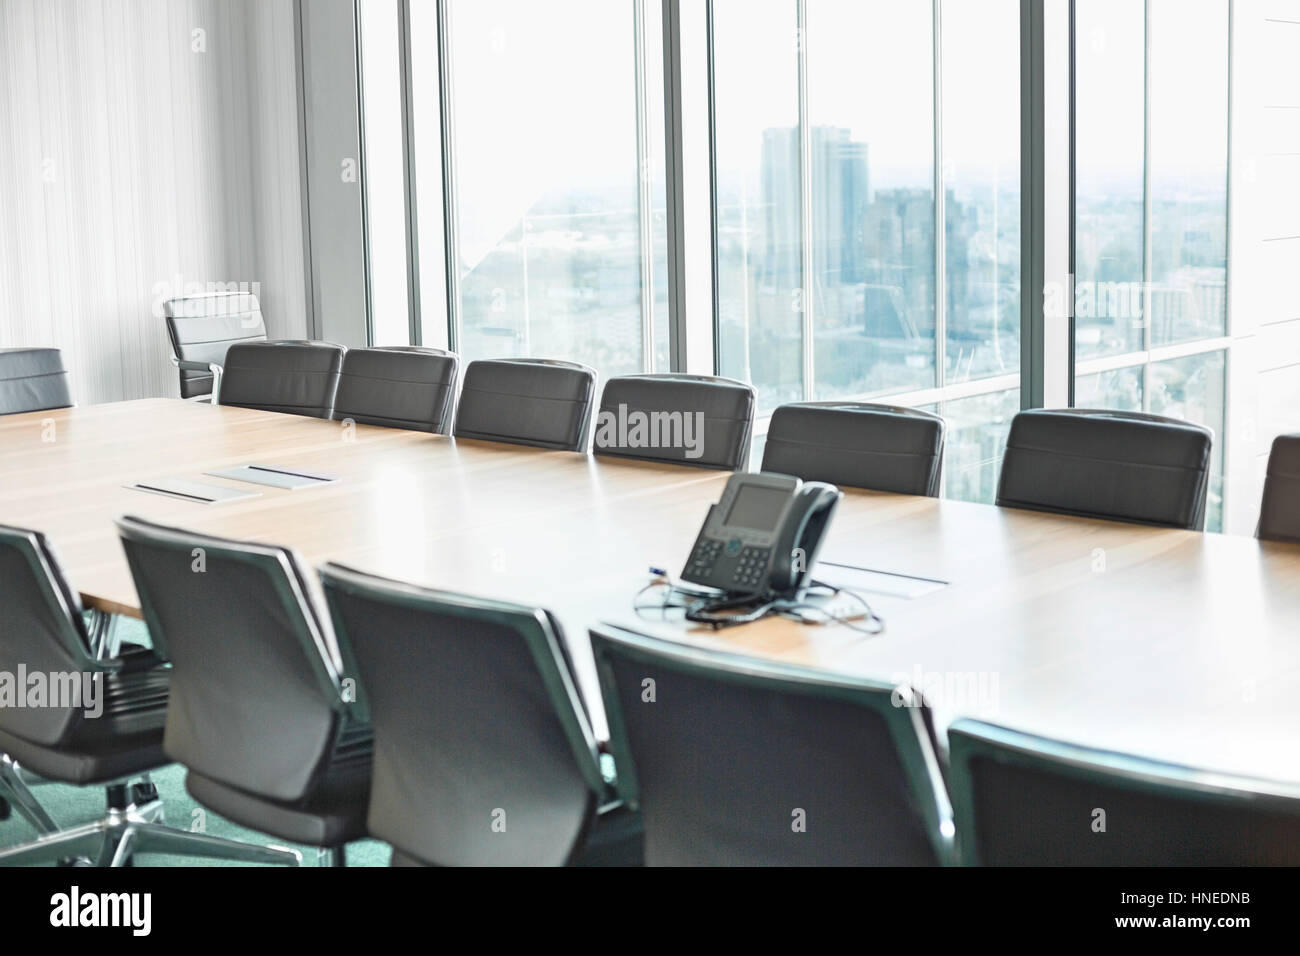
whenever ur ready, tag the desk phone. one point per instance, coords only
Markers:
(763, 535)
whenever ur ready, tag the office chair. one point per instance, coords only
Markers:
(201, 329)
(398, 387)
(484, 753)
(537, 402)
(33, 380)
(734, 761)
(650, 417)
(1023, 800)
(1279, 510)
(258, 714)
(859, 445)
(1124, 466)
(106, 728)
(294, 377)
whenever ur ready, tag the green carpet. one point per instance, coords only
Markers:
(70, 806)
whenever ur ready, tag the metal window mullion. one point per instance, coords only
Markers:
(940, 214)
(805, 204)
(1226, 439)
(1147, 264)
(411, 210)
(716, 296)
(450, 199)
(644, 200)
(362, 171)
(676, 258)
(304, 171)
(1031, 212)
(1072, 225)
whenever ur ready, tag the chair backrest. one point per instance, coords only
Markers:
(41, 632)
(739, 762)
(1279, 510)
(527, 402)
(483, 752)
(855, 444)
(256, 700)
(1125, 466)
(399, 387)
(203, 327)
(1022, 800)
(299, 378)
(689, 419)
(32, 380)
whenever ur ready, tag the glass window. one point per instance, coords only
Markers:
(1189, 169)
(384, 176)
(825, 153)
(546, 157)
(1109, 144)
(653, 162)
(980, 73)
(1151, 203)
(757, 215)
(870, 70)
(974, 442)
(1119, 388)
(1192, 388)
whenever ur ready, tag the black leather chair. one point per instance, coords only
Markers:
(1023, 800)
(202, 328)
(105, 728)
(859, 445)
(259, 713)
(1279, 511)
(1125, 466)
(399, 387)
(32, 380)
(686, 419)
(527, 402)
(484, 753)
(298, 378)
(734, 761)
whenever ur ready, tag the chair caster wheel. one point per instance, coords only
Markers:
(142, 793)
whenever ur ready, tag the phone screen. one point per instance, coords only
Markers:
(758, 507)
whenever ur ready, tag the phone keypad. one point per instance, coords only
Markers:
(751, 568)
(705, 556)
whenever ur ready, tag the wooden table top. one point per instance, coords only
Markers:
(1171, 644)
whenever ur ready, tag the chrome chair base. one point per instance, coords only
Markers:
(13, 788)
(331, 856)
(132, 829)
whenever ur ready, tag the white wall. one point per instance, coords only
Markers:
(136, 153)
(1264, 247)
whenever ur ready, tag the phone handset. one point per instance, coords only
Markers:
(800, 538)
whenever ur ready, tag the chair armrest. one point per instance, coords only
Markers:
(188, 366)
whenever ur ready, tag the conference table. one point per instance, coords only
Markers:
(1173, 645)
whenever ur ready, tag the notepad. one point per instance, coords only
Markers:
(277, 476)
(189, 490)
(853, 578)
